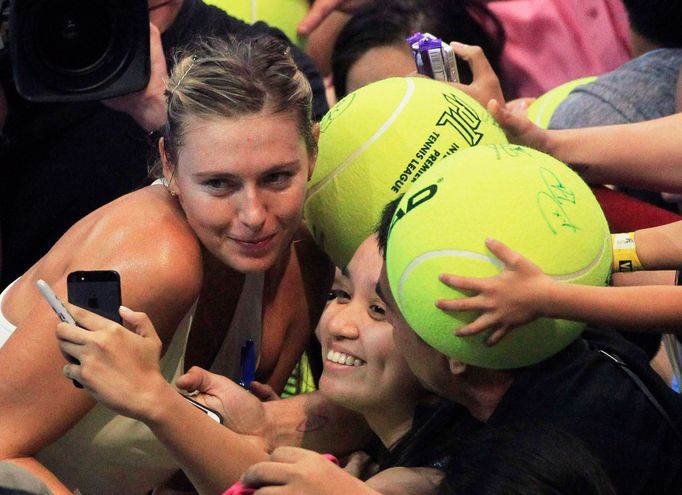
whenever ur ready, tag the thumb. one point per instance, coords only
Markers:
(195, 379)
(495, 109)
(137, 322)
(501, 251)
(263, 391)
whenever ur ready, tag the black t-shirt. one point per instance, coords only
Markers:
(63, 161)
(429, 441)
(584, 393)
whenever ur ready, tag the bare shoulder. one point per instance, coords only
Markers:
(145, 238)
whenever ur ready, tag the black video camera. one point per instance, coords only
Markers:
(77, 50)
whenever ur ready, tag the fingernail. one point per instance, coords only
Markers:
(125, 309)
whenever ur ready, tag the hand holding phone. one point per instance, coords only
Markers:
(98, 291)
(433, 57)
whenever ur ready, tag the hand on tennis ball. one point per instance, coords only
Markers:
(519, 129)
(513, 298)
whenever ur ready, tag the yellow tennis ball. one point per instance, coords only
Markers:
(282, 14)
(541, 110)
(530, 201)
(374, 143)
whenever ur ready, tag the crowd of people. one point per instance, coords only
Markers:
(212, 249)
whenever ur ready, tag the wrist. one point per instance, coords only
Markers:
(155, 403)
(151, 115)
(624, 251)
(550, 294)
(268, 429)
(558, 144)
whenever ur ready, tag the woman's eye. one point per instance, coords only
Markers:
(215, 183)
(338, 294)
(377, 311)
(278, 178)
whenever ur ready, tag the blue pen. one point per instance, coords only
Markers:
(247, 365)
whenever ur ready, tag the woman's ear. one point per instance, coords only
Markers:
(168, 167)
(456, 367)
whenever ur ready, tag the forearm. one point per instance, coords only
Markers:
(660, 248)
(646, 154)
(212, 456)
(314, 422)
(43, 474)
(649, 308)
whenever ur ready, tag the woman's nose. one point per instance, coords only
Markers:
(345, 324)
(252, 212)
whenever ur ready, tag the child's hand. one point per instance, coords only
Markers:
(519, 128)
(508, 300)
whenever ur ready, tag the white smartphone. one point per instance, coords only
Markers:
(214, 415)
(54, 302)
(62, 313)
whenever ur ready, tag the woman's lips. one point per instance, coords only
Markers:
(255, 245)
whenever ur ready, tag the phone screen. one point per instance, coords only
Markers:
(98, 291)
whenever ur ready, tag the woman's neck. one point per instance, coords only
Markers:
(391, 422)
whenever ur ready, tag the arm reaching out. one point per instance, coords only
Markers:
(119, 367)
(522, 293)
(652, 158)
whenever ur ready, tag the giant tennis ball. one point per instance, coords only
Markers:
(282, 14)
(522, 197)
(374, 143)
(541, 110)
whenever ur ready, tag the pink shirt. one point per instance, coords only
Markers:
(550, 42)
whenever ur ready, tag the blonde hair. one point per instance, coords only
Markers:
(230, 78)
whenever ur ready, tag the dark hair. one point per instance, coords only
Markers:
(216, 78)
(520, 459)
(384, 225)
(656, 20)
(390, 22)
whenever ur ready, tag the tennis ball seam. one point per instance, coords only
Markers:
(361, 149)
(493, 261)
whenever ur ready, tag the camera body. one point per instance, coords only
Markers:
(79, 50)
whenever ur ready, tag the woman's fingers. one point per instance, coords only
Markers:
(497, 335)
(484, 322)
(138, 322)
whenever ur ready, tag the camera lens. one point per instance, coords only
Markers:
(74, 36)
(79, 50)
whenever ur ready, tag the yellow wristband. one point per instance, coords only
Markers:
(625, 253)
